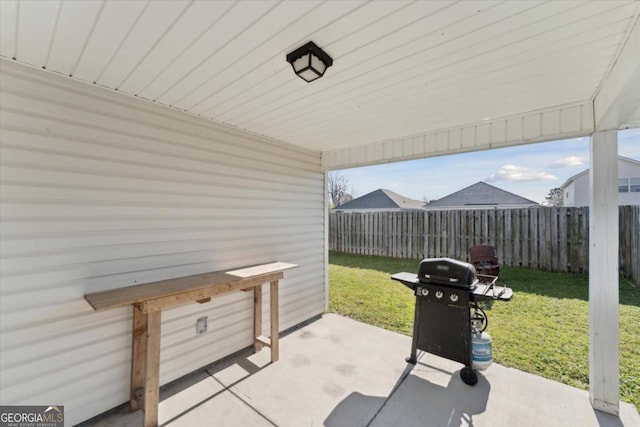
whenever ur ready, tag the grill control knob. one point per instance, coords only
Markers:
(439, 294)
(454, 297)
(424, 292)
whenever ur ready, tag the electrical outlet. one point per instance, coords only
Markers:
(201, 325)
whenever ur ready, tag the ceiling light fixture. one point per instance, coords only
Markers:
(309, 62)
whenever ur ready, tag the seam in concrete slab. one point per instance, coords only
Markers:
(405, 374)
(191, 408)
(228, 388)
(214, 395)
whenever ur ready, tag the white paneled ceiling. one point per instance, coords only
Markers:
(400, 67)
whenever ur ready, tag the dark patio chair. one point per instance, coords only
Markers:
(484, 259)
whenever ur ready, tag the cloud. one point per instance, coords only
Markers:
(519, 174)
(567, 161)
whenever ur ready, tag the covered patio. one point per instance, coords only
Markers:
(143, 141)
(337, 372)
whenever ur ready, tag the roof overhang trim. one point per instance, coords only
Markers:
(563, 122)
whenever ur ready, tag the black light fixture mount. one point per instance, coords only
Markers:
(309, 62)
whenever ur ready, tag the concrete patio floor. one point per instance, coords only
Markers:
(336, 372)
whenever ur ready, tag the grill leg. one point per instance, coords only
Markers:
(414, 342)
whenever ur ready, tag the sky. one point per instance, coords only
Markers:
(527, 170)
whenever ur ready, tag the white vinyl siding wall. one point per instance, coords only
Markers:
(102, 191)
(579, 188)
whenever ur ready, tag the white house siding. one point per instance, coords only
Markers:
(569, 194)
(101, 191)
(576, 192)
(627, 169)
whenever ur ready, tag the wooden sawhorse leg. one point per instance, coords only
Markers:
(145, 364)
(258, 340)
(275, 331)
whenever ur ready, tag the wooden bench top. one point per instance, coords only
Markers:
(157, 295)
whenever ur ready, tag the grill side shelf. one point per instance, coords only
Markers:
(410, 280)
(480, 292)
(492, 292)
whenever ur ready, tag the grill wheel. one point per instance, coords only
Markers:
(469, 376)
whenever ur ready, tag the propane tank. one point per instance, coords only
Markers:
(481, 350)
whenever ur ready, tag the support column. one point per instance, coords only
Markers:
(604, 387)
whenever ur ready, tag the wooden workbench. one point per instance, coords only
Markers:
(148, 301)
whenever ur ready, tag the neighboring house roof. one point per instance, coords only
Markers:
(480, 194)
(574, 177)
(380, 200)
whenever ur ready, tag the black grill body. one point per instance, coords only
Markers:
(442, 320)
(442, 323)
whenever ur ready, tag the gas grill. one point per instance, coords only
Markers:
(446, 291)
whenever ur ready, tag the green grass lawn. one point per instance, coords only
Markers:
(544, 329)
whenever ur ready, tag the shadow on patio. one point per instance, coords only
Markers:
(336, 372)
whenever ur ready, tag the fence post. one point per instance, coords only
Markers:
(553, 238)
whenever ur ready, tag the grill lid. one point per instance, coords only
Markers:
(447, 271)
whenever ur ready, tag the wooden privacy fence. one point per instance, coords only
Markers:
(545, 238)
